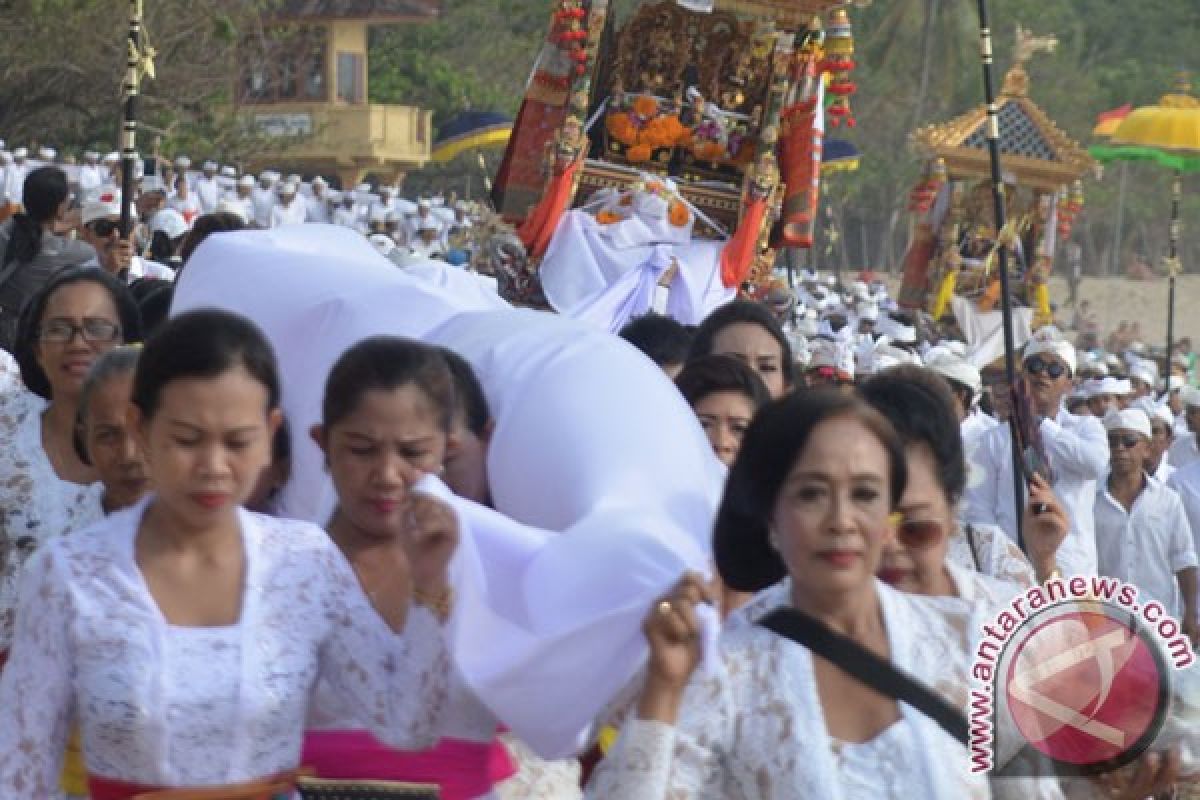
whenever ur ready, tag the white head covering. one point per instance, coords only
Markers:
(47, 154)
(1174, 383)
(90, 155)
(246, 180)
(1050, 340)
(170, 222)
(229, 172)
(233, 207)
(895, 330)
(21, 152)
(1154, 411)
(111, 158)
(100, 209)
(1129, 419)
(5, 157)
(833, 354)
(1145, 371)
(1190, 396)
(957, 369)
(209, 166)
(319, 181)
(183, 162)
(382, 242)
(286, 188)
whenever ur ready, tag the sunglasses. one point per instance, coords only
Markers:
(918, 534)
(103, 227)
(1125, 440)
(1036, 366)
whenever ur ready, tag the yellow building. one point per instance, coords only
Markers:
(303, 83)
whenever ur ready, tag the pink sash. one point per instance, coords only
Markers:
(463, 770)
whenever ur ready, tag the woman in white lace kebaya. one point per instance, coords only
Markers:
(45, 489)
(805, 512)
(185, 634)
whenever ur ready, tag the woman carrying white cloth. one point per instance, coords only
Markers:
(185, 634)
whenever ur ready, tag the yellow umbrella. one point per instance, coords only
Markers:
(1168, 134)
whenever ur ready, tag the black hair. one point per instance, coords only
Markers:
(30, 321)
(115, 363)
(155, 306)
(45, 189)
(203, 344)
(388, 362)
(772, 444)
(737, 312)
(163, 247)
(207, 224)
(920, 406)
(663, 339)
(472, 402)
(721, 373)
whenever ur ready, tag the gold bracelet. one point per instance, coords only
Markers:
(439, 605)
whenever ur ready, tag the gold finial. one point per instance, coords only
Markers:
(1029, 45)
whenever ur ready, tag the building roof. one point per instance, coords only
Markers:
(1032, 146)
(372, 10)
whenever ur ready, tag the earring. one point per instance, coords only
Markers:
(773, 539)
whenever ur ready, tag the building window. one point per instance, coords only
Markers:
(350, 78)
(285, 65)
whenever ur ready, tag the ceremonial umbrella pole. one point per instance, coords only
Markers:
(1010, 368)
(139, 62)
(1169, 135)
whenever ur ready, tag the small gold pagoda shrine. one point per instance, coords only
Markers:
(954, 245)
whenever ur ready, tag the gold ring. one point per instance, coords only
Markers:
(665, 607)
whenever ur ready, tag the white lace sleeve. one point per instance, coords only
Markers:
(395, 684)
(654, 761)
(36, 686)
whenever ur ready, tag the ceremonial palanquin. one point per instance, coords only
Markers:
(954, 249)
(718, 113)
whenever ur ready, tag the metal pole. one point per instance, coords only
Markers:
(1010, 369)
(129, 125)
(1116, 258)
(1173, 265)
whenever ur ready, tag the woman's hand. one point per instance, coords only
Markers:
(1046, 525)
(673, 633)
(1154, 773)
(429, 539)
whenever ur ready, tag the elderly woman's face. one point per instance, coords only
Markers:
(830, 520)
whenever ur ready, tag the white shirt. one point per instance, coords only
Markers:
(1186, 483)
(975, 425)
(294, 213)
(1077, 449)
(1183, 450)
(262, 201)
(318, 208)
(13, 188)
(348, 218)
(1146, 545)
(1165, 469)
(36, 506)
(91, 178)
(140, 268)
(163, 705)
(189, 206)
(753, 728)
(208, 193)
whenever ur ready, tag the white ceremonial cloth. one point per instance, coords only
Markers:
(607, 274)
(592, 441)
(315, 290)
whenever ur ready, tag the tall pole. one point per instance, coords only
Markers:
(133, 66)
(1173, 265)
(1010, 368)
(1116, 258)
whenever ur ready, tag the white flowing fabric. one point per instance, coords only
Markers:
(591, 440)
(606, 274)
(315, 290)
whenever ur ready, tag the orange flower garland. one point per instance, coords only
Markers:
(643, 129)
(678, 214)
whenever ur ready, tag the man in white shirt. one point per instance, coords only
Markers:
(1142, 531)
(288, 210)
(423, 216)
(91, 175)
(347, 214)
(208, 188)
(318, 201)
(1184, 451)
(428, 243)
(1075, 448)
(242, 200)
(14, 177)
(1162, 433)
(115, 255)
(262, 199)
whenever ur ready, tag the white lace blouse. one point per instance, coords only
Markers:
(751, 728)
(988, 551)
(161, 705)
(35, 504)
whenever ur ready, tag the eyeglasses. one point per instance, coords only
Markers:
(62, 331)
(918, 534)
(1036, 366)
(103, 227)
(1126, 440)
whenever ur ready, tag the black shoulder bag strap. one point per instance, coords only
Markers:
(866, 667)
(972, 542)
